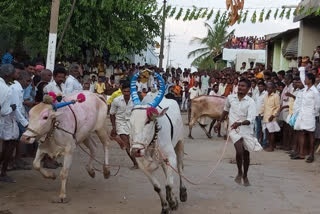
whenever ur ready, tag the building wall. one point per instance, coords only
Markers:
(280, 62)
(147, 56)
(309, 36)
(284, 63)
(276, 56)
(237, 56)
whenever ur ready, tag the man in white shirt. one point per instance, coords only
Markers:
(294, 108)
(120, 113)
(21, 83)
(215, 90)
(222, 86)
(241, 111)
(57, 84)
(284, 110)
(117, 74)
(9, 131)
(193, 93)
(306, 119)
(205, 83)
(93, 82)
(259, 100)
(139, 85)
(21, 117)
(108, 70)
(72, 83)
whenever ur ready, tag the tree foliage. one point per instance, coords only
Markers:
(121, 26)
(211, 45)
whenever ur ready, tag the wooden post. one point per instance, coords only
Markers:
(51, 54)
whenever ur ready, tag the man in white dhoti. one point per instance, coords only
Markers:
(120, 113)
(284, 111)
(242, 112)
(9, 131)
(306, 119)
(21, 116)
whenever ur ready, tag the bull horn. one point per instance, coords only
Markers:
(133, 89)
(161, 92)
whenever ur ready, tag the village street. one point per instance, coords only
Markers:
(279, 185)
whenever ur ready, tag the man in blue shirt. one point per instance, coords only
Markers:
(7, 58)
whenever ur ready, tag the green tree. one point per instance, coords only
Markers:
(211, 45)
(125, 26)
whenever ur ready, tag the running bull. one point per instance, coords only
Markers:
(209, 106)
(156, 138)
(60, 131)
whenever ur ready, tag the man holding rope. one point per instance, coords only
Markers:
(240, 108)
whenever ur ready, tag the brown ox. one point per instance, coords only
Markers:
(209, 106)
(60, 131)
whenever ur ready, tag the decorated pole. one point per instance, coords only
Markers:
(51, 54)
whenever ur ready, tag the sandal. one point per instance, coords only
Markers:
(7, 179)
(293, 154)
(297, 157)
(310, 159)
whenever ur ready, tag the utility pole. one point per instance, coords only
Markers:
(168, 49)
(51, 54)
(171, 60)
(162, 34)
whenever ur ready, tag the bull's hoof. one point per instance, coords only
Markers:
(174, 204)
(165, 211)
(61, 200)
(190, 137)
(209, 136)
(50, 175)
(106, 172)
(91, 172)
(183, 194)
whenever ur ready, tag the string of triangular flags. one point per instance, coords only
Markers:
(257, 14)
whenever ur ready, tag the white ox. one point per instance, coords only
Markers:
(66, 129)
(149, 138)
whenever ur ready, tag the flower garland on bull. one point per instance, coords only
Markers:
(152, 112)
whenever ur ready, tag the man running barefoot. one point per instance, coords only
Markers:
(241, 111)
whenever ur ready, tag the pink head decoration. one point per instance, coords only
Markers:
(81, 98)
(152, 113)
(53, 95)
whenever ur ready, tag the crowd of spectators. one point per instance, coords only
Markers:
(246, 42)
(287, 102)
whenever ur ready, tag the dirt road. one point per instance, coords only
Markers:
(279, 185)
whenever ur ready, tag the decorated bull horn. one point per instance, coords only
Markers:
(133, 89)
(161, 92)
(80, 98)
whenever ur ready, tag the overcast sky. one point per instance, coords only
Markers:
(184, 31)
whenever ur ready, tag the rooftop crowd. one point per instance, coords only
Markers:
(287, 102)
(246, 42)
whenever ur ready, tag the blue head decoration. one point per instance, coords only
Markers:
(134, 93)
